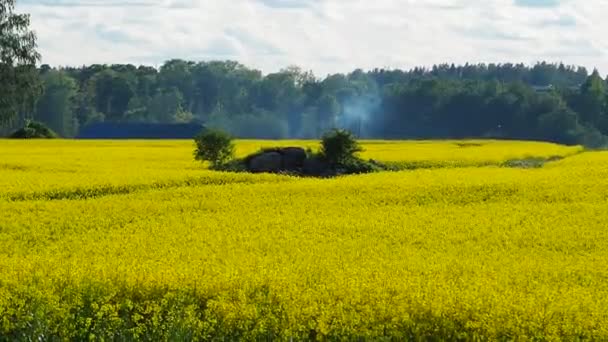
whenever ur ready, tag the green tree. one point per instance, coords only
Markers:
(223, 86)
(214, 146)
(592, 101)
(19, 85)
(56, 107)
(560, 125)
(166, 105)
(111, 93)
(177, 74)
(137, 110)
(339, 147)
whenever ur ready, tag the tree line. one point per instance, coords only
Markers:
(545, 102)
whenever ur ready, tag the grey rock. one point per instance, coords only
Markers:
(293, 158)
(315, 167)
(266, 162)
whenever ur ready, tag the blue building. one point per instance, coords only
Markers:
(120, 130)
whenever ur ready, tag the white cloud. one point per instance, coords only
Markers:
(322, 35)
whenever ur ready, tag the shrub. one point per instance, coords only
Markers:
(215, 147)
(234, 165)
(358, 166)
(34, 130)
(339, 147)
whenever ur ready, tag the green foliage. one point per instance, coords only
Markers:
(550, 102)
(214, 146)
(34, 130)
(56, 107)
(592, 138)
(111, 93)
(339, 147)
(166, 106)
(18, 56)
(357, 166)
(234, 165)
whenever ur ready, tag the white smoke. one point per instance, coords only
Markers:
(357, 114)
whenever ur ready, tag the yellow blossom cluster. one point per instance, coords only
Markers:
(134, 240)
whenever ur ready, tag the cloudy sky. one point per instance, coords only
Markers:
(321, 35)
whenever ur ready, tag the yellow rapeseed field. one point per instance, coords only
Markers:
(57, 168)
(110, 240)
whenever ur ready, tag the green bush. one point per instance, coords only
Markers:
(214, 146)
(357, 166)
(339, 147)
(234, 165)
(34, 130)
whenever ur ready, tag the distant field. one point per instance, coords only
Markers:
(33, 168)
(123, 240)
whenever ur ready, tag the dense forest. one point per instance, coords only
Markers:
(545, 101)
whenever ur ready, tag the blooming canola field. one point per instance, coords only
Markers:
(135, 240)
